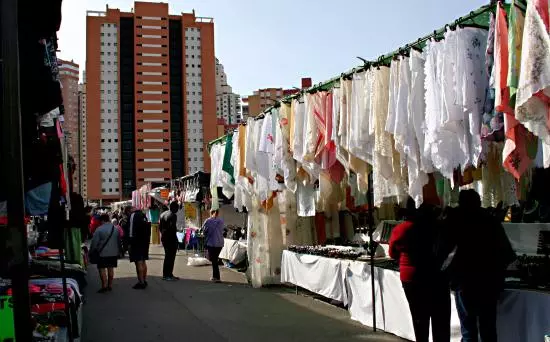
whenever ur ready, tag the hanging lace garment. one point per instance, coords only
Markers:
(250, 154)
(237, 201)
(492, 122)
(335, 117)
(298, 130)
(216, 160)
(310, 134)
(399, 169)
(360, 148)
(342, 143)
(266, 172)
(383, 178)
(305, 199)
(471, 86)
(416, 108)
(282, 160)
(265, 245)
(325, 154)
(284, 119)
(532, 97)
(287, 208)
(497, 184)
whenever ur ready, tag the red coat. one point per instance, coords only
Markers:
(399, 250)
(95, 223)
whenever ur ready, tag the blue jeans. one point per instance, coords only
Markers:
(478, 315)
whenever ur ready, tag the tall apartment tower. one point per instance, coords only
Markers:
(68, 76)
(82, 136)
(228, 104)
(150, 97)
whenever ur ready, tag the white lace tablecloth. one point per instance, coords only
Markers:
(522, 315)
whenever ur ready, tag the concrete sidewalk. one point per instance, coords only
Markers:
(194, 309)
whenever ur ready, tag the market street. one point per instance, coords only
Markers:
(194, 309)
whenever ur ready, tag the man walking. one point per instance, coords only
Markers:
(139, 237)
(476, 235)
(213, 232)
(168, 230)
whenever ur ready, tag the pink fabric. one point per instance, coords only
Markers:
(325, 154)
(542, 8)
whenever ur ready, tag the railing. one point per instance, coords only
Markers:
(96, 13)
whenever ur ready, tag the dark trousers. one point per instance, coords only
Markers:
(430, 301)
(213, 255)
(477, 311)
(170, 250)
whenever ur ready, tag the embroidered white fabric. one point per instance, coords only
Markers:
(535, 77)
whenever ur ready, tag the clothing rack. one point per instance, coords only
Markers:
(475, 18)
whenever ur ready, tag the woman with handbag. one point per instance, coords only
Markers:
(104, 252)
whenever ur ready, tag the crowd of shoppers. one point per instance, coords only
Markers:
(464, 249)
(129, 231)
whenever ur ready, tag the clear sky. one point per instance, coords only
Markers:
(264, 43)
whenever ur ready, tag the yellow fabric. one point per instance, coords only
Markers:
(291, 126)
(242, 148)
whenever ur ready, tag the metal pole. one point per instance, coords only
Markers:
(372, 249)
(13, 159)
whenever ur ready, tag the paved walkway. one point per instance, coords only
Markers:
(194, 309)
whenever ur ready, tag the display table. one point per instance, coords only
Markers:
(320, 275)
(234, 251)
(520, 311)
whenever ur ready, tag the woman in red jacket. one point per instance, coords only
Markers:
(413, 244)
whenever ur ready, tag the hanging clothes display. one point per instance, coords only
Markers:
(463, 108)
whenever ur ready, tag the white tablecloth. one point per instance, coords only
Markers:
(233, 251)
(522, 315)
(314, 273)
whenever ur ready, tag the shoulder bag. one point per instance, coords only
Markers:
(94, 255)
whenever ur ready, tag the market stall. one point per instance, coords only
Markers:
(334, 164)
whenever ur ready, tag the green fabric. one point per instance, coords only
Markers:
(226, 166)
(73, 246)
(154, 215)
(7, 327)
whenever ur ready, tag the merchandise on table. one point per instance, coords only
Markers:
(329, 252)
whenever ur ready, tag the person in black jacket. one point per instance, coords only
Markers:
(169, 239)
(139, 237)
(482, 253)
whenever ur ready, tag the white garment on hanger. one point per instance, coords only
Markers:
(305, 198)
(298, 128)
(251, 136)
(283, 161)
(418, 167)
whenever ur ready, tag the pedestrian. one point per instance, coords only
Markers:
(426, 287)
(139, 238)
(213, 233)
(169, 239)
(114, 221)
(481, 253)
(105, 245)
(125, 224)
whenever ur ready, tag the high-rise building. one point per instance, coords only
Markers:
(228, 104)
(82, 166)
(150, 97)
(265, 98)
(68, 76)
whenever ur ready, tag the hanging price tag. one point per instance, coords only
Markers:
(7, 328)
